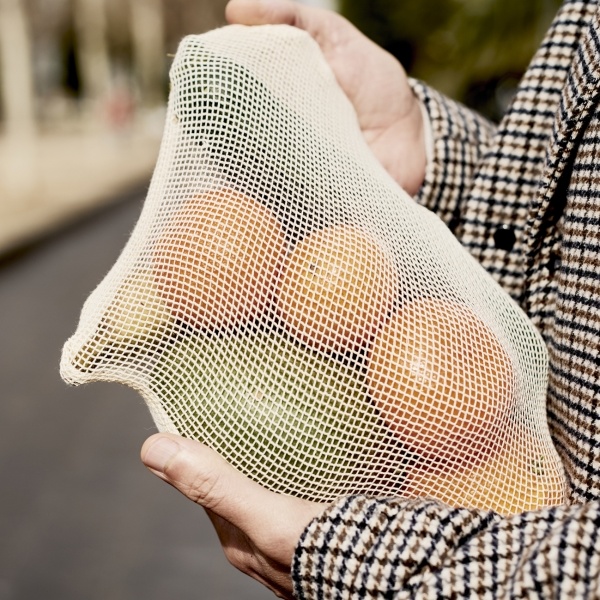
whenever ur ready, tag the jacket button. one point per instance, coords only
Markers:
(553, 262)
(504, 237)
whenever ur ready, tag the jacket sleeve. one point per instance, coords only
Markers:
(460, 138)
(421, 549)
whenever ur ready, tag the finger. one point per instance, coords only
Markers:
(246, 515)
(342, 44)
(325, 26)
(204, 477)
(264, 12)
(271, 520)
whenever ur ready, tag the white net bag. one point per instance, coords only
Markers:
(282, 300)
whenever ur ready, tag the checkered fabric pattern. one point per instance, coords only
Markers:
(524, 198)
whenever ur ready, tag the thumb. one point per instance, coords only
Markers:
(204, 477)
(258, 529)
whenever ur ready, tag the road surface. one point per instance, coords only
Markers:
(80, 517)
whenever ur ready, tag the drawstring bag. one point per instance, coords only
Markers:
(284, 301)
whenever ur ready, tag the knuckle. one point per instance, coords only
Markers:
(201, 490)
(199, 486)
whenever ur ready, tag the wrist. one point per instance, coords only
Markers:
(413, 148)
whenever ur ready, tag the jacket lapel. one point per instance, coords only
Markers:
(579, 97)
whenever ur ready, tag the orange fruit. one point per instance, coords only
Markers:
(216, 263)
(521, 477)
(337, 288)
(441, 379)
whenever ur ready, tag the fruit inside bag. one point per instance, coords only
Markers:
(282, 300)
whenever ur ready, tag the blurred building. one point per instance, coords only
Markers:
(83, 89)
(83, 84)
(69, 53)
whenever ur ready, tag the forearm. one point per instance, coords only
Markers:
(364, 548)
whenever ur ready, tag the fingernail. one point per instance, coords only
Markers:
(160, 453)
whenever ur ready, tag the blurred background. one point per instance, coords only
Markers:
(475, 51)
(82, 91)
(83, 85)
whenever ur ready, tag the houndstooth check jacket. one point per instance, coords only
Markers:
(524, 198)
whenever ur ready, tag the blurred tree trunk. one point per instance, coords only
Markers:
(148, 33)
(16, 70)
(92, 48)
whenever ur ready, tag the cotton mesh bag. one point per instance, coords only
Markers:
(284, 301)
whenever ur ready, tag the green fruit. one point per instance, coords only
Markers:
(292, 419)
(136, 321)
(137, 313)
(210, 100)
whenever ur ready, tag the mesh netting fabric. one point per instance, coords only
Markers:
(283, 300)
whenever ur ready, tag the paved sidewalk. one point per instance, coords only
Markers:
(57, 178)
(80, 516)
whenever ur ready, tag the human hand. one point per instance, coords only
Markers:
(258, 529)
(388, 112)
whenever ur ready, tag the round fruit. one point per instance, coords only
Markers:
(137, 317)
(137, 312)
(523, 476)
(441, 379)
(217, 261)
(337, 288)
(294, 420)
